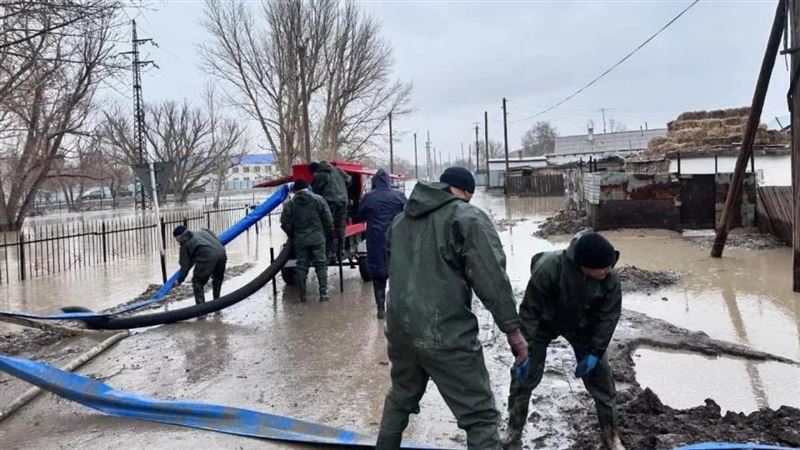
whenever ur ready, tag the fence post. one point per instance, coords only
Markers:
(21, 241)
(105, 248)
(208, 220)
(274, 283)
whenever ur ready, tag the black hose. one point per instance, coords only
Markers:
(190, 312)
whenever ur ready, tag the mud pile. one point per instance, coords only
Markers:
(645, 422)
(28, 340)
(563, 222)
(636, 279)
(504, 224)
(743, 241)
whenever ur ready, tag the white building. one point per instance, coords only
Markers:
(570, 149)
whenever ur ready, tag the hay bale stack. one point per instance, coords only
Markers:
(697, 131)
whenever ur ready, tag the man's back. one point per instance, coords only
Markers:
(330, 183)
(306, 219)
(203, 246)
(440, 249)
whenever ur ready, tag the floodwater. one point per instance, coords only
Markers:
(327, 362)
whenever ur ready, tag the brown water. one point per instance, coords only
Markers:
(327, 362)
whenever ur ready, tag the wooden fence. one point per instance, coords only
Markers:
(535, 185)
(775, 211)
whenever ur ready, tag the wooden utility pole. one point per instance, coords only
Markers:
(736, 186)
(416, 163)
(505, 142)
(794, 107)
(428, 157)
(477, 151)
(486, 143)
(391, 147)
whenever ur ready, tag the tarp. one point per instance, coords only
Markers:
(101, 397)
(227, 236)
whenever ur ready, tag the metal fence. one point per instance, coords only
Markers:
(775, 211)
(41, 251)
(536, 185)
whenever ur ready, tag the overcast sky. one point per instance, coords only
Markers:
(464, 57)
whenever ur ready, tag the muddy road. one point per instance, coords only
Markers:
(327, 362)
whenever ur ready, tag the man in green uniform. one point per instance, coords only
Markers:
(441, 248)
(572, 293)
(331, 183)
(306, 219)
(203, 250)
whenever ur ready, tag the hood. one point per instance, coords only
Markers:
(303, 198)
(428, 197)
(185, 236)
(381, 180)
(325, 166)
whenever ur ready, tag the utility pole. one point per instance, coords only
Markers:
(416, 163)
(462, 153)
(736, 184)
(486, 143)
(391, 148)
(603, 110)
(477, 150)
(428, 153)
(505, 143)
(440, 160)
(435, 164)
(794, 107)
(138, 103)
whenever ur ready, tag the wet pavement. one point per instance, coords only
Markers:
(327, 362)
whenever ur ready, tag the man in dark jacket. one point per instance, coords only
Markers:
(572, 293)
(331, 183)
(441, 248)
(378, 208)
(203, 250)
(306, 219)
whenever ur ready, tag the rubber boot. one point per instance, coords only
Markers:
(301, 285)
(216, 289)
(512, 439)
(381, 310)
(388, 442)
(611, 440)
(199, 293)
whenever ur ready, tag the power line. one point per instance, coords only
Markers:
(619, 63)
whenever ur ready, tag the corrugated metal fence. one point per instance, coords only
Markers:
(775, 211)
(542, 185)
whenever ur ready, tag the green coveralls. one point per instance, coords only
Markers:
(331, 183)
(203, 250)
(561, 301)
(306, 219)
(440, 250)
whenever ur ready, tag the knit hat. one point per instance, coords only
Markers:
(299, 184)
(593, 251)
(313, 166)
(459, 177)
(179, 230)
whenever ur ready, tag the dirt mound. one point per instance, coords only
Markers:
(645, 422)
(566, 222)
(636, 279)
(28, 340)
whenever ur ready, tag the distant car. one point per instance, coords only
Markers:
(124, 191)
(93, 194)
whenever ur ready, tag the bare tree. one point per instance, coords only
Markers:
(306, 71)
(615, 126)
(53, 55)
(197, 141)
(495, 150)
(540, 139)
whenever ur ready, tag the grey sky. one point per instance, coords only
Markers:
(463, 57)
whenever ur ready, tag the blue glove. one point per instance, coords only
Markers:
(586, 365)
(521, 371)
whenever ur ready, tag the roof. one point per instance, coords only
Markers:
(607, 142)
(257, 158)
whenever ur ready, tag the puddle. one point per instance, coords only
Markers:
(684, 380)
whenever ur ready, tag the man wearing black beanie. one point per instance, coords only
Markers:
(441, 249)
(574, 293)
